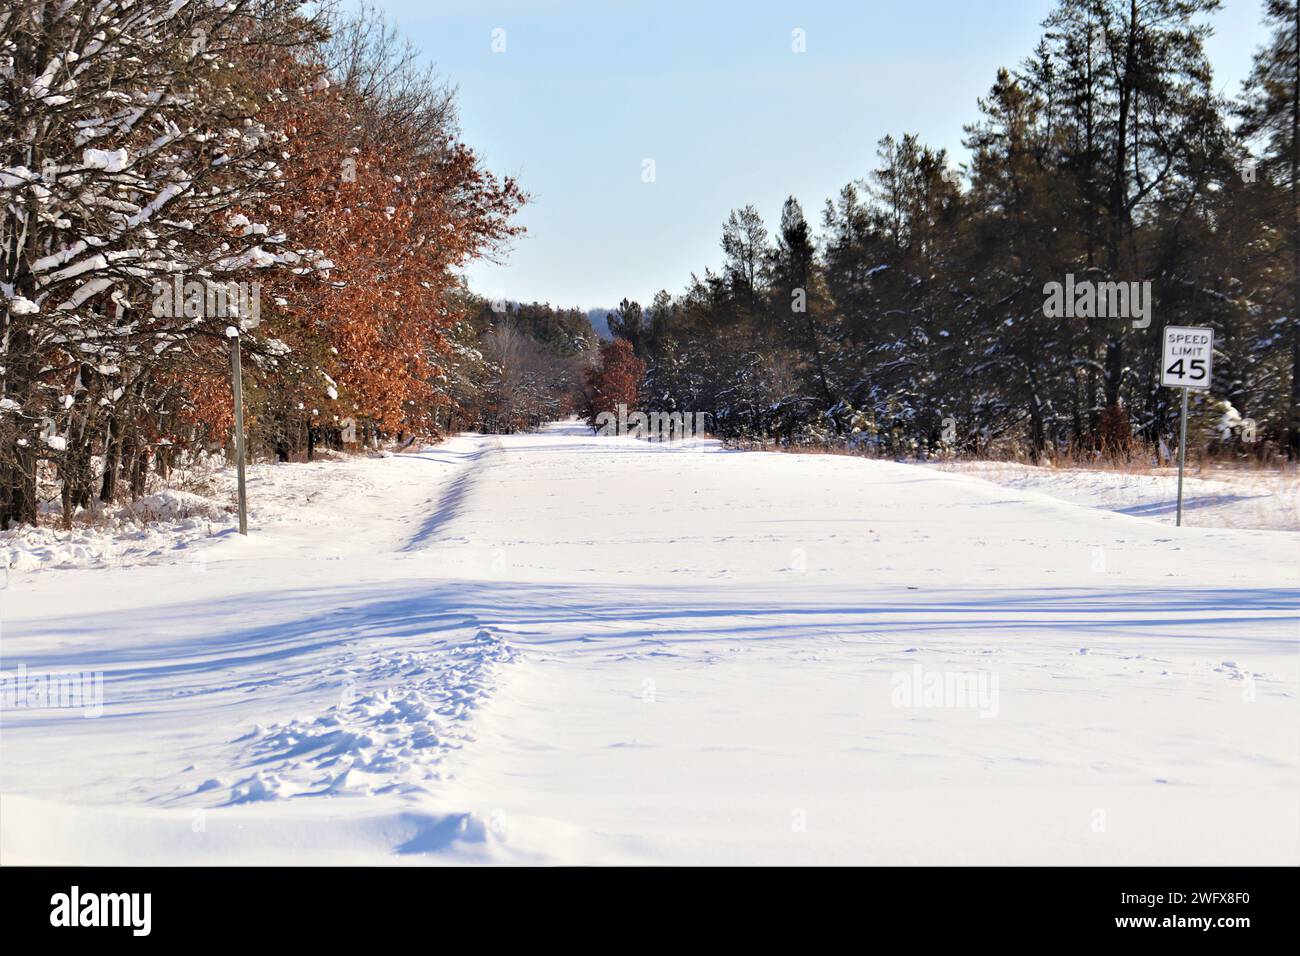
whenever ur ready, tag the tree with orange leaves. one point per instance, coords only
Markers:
(377, 179)
(221, 146)
(615, 381)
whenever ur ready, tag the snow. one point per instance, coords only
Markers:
(173, 505)
(145, 531)
(16, 177)
(1213, 496)
(556, 648)
(109, 160)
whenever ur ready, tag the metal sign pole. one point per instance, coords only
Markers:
(237, 387)
(1182, 459)
(1187, 362)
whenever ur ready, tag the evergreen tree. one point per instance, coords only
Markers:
(1271, 113)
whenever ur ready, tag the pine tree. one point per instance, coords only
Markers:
(1272, 113)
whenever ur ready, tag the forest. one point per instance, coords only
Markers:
(305, 162)
(912, 316)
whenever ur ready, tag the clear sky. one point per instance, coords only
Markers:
(586, 90)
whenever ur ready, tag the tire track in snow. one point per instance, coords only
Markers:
(400, 715)
(401, 712)
(454, 499)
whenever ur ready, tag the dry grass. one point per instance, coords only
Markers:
(1140, 461)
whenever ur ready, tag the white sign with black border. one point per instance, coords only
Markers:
(1188, 360)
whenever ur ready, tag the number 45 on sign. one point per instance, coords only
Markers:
(1188, 357)
(1187, 363)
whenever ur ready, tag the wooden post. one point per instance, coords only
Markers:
(237, 388)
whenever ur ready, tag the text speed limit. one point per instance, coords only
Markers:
(1188, 360)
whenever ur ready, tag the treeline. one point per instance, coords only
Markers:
(525, 369)
(173, 175)
(914, 320)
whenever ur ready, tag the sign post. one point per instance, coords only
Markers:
(237, 387)
(1187, 363)
(1182, 460)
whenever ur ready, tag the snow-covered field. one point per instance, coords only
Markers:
(558, 648)
(1213, 496)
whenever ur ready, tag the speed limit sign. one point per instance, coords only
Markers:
(1186, 363)
(1188, 357)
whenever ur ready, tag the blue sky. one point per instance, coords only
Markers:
(585, 92)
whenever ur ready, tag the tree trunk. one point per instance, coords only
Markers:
(139, 473)
(112, 459)
(1293, 440)
(20, 486)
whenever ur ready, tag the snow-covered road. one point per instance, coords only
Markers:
(566, 649)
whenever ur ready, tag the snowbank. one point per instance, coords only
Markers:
(176, 505)
(1220, 497)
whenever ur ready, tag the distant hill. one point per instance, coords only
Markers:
(599, 319)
